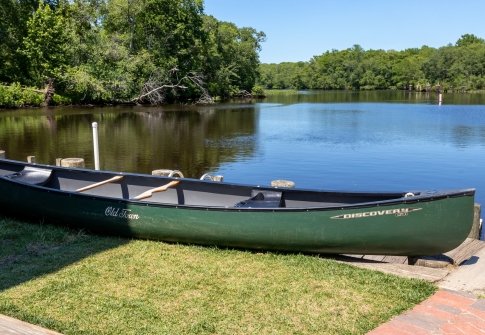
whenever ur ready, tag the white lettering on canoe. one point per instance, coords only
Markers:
(122, 213)
(395, 212)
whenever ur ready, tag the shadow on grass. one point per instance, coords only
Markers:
(29, 250)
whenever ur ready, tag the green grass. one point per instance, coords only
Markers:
(283, 92)
(77, 283)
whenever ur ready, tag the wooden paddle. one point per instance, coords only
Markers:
(85, 188)
(163, 188)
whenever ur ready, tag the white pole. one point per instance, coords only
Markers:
(96, 145)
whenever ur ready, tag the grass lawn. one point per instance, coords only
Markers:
(77, 283)
(278, 92)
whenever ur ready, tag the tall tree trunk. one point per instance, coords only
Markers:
(48, 92)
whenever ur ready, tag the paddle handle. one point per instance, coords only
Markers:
(85, 188)
(149, 193)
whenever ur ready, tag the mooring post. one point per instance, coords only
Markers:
(281, 183)
(168, 173)
(96, 145)
(72, 162)
(475, 231)
(2, 154)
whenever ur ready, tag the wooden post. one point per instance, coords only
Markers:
(72, 162)
(95, 145)
(2, 154)
(161, 172)
(31, 159)
(207, 176)
(167, 173)
(283, 183)
(475, 232)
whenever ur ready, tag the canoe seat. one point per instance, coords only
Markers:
(31, 175)
(263, 199)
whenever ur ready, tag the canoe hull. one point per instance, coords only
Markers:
(425, 227)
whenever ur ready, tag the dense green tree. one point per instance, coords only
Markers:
(407, 68)
(14, 15)
(458, 67)
(468, 39)
(46, 44)
(171, 30)
(231, 57)
(9, 37)
(285, 75)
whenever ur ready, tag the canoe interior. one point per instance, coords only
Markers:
(189, 192)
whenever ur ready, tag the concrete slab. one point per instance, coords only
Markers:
(403, 270)
(13, 326)
(469, 277)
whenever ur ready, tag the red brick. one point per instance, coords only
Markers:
(480, 305)
(426, 322)
(451, 299)
(476, 312)
(469, 329)
(409, 328)
(451, 329)
(387, 329)
(435, 311)
(445, 313)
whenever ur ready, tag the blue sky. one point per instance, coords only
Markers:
(297, 30)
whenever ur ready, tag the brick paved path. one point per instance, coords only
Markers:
(444, 313)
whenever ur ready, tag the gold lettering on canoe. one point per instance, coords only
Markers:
(396, 212)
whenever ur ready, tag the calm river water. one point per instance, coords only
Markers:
(328, 140)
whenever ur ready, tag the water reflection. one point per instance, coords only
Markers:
(289, 97)
(133, 139)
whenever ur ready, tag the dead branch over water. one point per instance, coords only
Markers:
(159, 86)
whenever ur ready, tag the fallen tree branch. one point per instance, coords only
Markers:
(155, 90)
(143, 96)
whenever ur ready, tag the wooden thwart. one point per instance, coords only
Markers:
(85, 188)
(149, 193)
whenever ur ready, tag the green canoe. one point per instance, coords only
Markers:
(232, 215)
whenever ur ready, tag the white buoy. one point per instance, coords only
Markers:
(96, 145)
